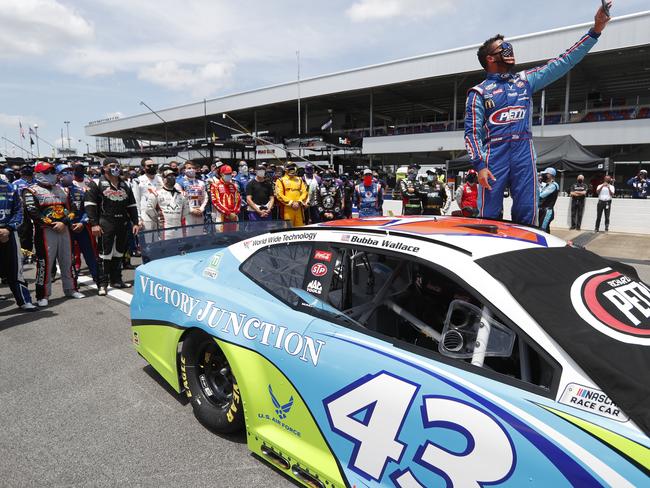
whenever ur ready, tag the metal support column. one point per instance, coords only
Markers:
(455, 103)
(567, 94)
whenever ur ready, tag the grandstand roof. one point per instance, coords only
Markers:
(619, 65)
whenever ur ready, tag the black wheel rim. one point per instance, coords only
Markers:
(214, 375)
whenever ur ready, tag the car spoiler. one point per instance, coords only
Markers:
(175, 241)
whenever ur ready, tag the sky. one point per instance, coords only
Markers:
(78, 61)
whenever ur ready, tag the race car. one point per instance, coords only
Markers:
(409, 352)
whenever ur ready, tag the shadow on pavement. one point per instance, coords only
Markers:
(12, 316)
(153, 374)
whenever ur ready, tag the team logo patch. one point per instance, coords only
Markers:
(315, 287)
(318, 270)
(508, 115)
(323, 255)
(614, 304)
(489, 103)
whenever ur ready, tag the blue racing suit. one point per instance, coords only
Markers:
(84, 238)
(547, 198)
(11, 259)
(498, 132)
(369, 199)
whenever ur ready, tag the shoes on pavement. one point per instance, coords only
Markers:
(28, 306)
(43, 302)
(75, 294)
(121, 284)
(571, 228)
(101, 291)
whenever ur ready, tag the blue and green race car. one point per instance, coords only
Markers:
(408, 352)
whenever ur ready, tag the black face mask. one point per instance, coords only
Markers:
(545, 177)
(150, 170)
(471, 179)
(170, 181)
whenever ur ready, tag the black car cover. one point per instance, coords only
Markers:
(597, 310)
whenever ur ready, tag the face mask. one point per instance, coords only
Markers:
(367, 180)
(429, 177)
(150, 170)
(190, 173)
(270, 175)
(545, 177)
(66, 180)
(243, 170)
(205, 171)
(580, 180)
(170, 181)
(260, 173)
(227, 178)
(79, 173)
(471, 179)
(291, 172)
(46, 180)
(115, 171)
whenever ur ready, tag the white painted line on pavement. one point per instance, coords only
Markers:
(116, 294)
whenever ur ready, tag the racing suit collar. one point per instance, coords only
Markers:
(500, 76)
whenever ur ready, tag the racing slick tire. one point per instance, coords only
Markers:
(210, 384)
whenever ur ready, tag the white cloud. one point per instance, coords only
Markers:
(11, 122)
(369, 10)
(199, 80)
(38, 26)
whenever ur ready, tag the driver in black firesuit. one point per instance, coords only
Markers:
(328, 198)
(434, 195)
(411, 192)
(111, 207)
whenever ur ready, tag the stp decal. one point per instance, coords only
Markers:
(614, 304)
(318, 270)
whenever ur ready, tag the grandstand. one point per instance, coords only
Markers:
(412, 109)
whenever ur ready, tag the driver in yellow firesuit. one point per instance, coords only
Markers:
(291, 192)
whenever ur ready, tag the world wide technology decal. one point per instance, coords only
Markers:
(614, 304)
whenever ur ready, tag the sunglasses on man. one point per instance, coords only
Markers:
(506, 51)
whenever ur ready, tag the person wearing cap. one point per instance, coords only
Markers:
(432, 195)
(144, 186)
(466, 195)
(312, 182)
(292, 196)
(169, 206)
(225, 200)
(11, 260)
(26, 229)
(578, 193)
(411, 192)
(329, 199)
(640, 185)
(368, 196)
(242, 180)
(84, 243)
(547, 198)
(48, 207)
(111, 208)
(259, 196)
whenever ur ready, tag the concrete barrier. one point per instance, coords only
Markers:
(627, 215)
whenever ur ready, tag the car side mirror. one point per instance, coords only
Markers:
(470, 332)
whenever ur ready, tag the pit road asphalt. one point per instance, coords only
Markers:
(78, 406)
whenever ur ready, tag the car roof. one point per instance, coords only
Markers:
(478, 237)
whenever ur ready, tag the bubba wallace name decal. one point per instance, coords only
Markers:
(237, 324)
(614, 304)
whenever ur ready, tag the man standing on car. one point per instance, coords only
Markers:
(605, 192)
(147, 184)
(259, 196)
(11, 260)
(111, 208)
(292, 196)
(47, 205)
(578, 193)
(497, 124)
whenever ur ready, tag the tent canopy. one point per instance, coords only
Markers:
(561, 153)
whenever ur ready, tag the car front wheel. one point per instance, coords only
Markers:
(210, 384)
